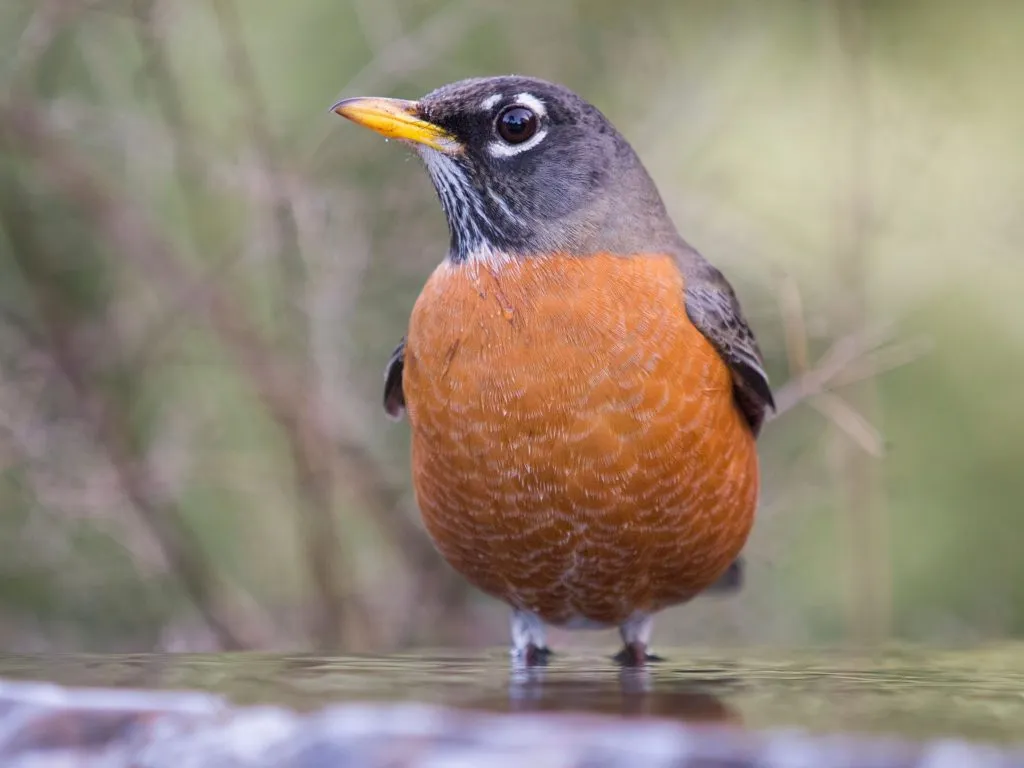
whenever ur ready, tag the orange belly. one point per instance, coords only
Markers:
(576, 449)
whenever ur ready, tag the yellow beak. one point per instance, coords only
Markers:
(396, 119)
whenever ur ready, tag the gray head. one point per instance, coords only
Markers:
(523, 166)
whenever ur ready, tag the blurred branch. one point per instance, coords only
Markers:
(185, 158)
(857, 356)
(851, 421)
(415, 49)
(885, 359)
(45, 23)
(866, 525)
(121, 223)
(357, 465)
(792, 307)
(434, 578)
(108, 422)
(317, 515)
(22, 325)
(410, 52)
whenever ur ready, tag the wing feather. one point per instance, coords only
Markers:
(394, 395)
(714, 309)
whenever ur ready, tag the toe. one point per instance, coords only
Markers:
(635, 655)
(536, 656)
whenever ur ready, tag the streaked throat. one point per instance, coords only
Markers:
(483, 226)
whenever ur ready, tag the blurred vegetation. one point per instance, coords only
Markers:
(202, 273)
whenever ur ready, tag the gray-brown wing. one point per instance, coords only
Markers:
(713, 308)
(394, 395)
(731, 581)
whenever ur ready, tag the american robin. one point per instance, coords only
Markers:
(583, 392)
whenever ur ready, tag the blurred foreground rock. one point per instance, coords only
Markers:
(48, 726)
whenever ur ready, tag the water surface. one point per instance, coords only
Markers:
(914, 693)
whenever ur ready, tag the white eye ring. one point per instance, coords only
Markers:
(527, 101)
(501, 149)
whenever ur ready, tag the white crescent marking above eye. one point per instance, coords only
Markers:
(488, 104)
(531, 101)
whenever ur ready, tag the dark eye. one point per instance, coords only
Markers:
(516, 124)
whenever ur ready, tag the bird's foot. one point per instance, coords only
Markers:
(528, 643)
(635, 655)
(636, 634)
(532, 655)
(537, 656)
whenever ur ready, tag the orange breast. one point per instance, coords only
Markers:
(576, 450)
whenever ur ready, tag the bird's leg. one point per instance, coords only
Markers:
(528, 643)
(636, 634)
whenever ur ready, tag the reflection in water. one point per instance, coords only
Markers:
(638, 692)
(917, 693)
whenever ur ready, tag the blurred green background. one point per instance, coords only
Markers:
(203, 272)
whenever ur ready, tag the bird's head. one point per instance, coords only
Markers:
(522, 167)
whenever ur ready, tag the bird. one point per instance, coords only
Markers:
(583, 393)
